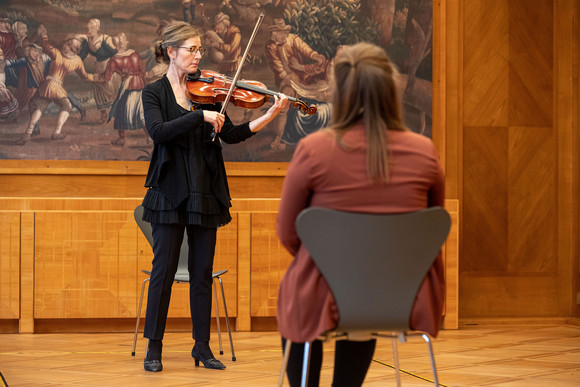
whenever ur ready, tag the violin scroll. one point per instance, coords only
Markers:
(310, 110)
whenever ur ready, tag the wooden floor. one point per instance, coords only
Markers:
(490, 355)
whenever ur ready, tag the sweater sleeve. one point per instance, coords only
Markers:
(233, 134)
(155, 105)
(296, 194)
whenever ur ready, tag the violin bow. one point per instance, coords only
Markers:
(239, 70)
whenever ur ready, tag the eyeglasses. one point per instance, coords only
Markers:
(194, 50)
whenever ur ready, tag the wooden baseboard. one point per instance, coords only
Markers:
(119, 325)
(264, 324)
(463, 322)
(573, 321)
(9, 326)
(259, 324)
(114, 325)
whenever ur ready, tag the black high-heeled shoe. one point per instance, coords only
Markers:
(154, 348)
(152, 365)
(212, 363)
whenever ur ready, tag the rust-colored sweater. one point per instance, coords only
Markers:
(323, 174)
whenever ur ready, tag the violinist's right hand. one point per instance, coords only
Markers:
(215, 119)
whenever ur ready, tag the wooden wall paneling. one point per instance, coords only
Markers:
(73, 167)
(492, 97)
(81, 261)
(226, 257)
(485, 202)
(144, 259)
(575, 154)
(179, 304)
(244, 320)
(259, 188)
(532, 216)
(448, 118)
(451, 260)
(447, 136)
(74, 186)
(251, 180)
(498, 296)
(509, 252)
(85, 265)
(9, 265)
(485, 63)
(530, 63)
(566, 104)
(439, 79)
(27, 263)
(255, 205)
(69, 204)
(448, 91)
(269, 263)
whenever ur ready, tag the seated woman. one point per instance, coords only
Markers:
(366, 161)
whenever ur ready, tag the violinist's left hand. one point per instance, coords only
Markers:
(280, 103)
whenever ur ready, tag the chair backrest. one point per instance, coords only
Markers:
(373, 263)
(145, 227)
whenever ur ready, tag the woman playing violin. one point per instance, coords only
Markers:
(188, 189)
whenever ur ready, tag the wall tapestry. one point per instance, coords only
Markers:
(292, 53)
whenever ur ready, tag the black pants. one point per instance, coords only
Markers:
(167, 240)
(351, 362)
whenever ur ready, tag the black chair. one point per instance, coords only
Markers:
(181, 276)
(374, 265)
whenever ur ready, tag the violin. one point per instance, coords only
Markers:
(212, 87)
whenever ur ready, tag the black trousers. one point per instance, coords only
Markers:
(352, 360)
(167, 240)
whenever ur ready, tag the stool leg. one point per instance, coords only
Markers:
(305, 364)
(227, 319)
(284, 362)
(217, 316)
(428, 340)
(138, 316)
(396, 361)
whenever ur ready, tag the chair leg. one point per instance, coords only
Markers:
(305, 364)
(217, 316)
(428, 340)
(138, 316)
(227, 318)
(284, 362)
(396, 361)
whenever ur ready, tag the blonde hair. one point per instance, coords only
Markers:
(365, 89)
(173, 35)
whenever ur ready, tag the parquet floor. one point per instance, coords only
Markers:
(490, 355)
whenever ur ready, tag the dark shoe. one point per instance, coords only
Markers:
(152, 365)
(22, 140)
(58, 136)
(118, 142)
(212, 363)
(35, 131)
(83, 114)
